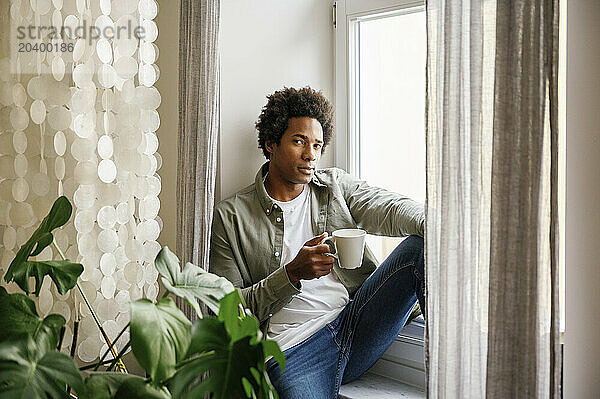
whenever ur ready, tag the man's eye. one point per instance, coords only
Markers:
(298, 141)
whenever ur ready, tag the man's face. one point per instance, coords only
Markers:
(298, 153)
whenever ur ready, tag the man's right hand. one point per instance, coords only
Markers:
(311, 262)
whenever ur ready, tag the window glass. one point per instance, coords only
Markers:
(390, 85)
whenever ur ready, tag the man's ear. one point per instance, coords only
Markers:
(269, 145)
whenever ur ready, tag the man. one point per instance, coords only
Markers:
(333, 324)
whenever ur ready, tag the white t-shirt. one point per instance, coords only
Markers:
(320, 300)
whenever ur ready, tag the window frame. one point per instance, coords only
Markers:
(405, 359)
(345, 12)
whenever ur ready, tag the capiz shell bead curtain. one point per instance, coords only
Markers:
(492, 161)
(198, 131)
(78, 116)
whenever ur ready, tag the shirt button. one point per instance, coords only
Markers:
(268, 211)
(277, 254)
(270, 314)
(279, 219)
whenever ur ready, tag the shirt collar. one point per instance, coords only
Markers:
(265, 201)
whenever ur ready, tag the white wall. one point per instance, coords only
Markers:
(266, 45)
(582, 334)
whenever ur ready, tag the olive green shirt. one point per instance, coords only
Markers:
(247, 234)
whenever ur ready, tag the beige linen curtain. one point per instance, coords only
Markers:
(492, 238)
(198, 130)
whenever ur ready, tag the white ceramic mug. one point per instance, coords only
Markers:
(349, 245)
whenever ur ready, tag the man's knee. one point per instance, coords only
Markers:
(412, 250)
(415, 241)
(413, 247)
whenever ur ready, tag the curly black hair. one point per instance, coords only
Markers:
(292, 103)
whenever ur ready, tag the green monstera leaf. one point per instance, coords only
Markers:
(192, 283)
(138, 388)
(160, 336)
(18, 317)
(109, 385)
(29, 370)
(64, 273)
(230, 348)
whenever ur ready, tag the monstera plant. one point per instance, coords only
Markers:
(222, 355)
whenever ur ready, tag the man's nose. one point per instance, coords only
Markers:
(310, 154)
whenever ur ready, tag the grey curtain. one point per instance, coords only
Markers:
(492, 165)
(198, 130)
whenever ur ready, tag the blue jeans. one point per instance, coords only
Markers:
(348, 346)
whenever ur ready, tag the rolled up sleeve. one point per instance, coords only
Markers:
(382, 212)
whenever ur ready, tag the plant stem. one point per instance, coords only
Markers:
(110, 348)
(118, 358)
(75, 334)
(90, 366)
(61, 337)
(120, 364)
(74, 342)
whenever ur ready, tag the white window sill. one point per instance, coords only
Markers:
(404, 361)
(377, 387)
(400, 373)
